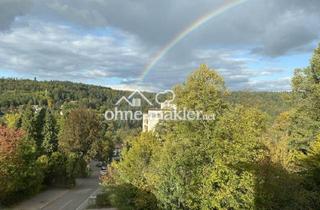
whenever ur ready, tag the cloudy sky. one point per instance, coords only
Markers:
(255, 45)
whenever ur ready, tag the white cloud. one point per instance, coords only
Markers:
(87, 40)
(280, 84)
(56, 51)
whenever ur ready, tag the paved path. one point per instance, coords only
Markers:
(64, 199)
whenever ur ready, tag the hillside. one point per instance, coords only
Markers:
(272, 103)
(14, 92)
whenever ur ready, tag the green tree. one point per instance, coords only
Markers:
(310, 164)
(32, 122)
(176, 168)
(135, 165)
(13, 120)
(28, 121)
(50, 134)
(204, 90)
(60, 169)
(306, 88)
(104, 149)
(291, 174)
(199, 164)
(210, 167)
(230, 182)
(80, 132)
(39, 122)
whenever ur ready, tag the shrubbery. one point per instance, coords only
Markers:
(127, 197)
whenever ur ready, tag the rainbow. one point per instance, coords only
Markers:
(228, 4)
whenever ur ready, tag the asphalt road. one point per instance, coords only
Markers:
(64, 199)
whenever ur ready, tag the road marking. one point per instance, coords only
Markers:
(65, 205)
(55, 199)
(84, 203)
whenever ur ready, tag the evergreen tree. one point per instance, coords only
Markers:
(28, 121)
(39, 126)
(50, 134)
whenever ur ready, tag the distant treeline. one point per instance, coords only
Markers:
(273, 103)
(15, 92)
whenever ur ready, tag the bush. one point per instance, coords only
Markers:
(127, 197)
(102, 200)
(61, 170)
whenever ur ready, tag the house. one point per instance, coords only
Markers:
(152, 118)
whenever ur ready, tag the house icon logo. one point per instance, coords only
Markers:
(166, 111)
(134, 100)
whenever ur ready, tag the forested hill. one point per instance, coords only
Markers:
(272, 103)
(14, 92)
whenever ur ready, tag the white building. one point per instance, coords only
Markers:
(151, 119)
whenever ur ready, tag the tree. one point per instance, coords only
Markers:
(81, 130)
(128, 188)
(305, 122)
(105, 146)
(212, 167)
(13, 120)
(176, 168)
(285, 175)
(306, 88)
(32, 122)
(290, 176)
(199, 164)
(204, 90)
(310, 165)
(136, 160)
(28, 121)
(61, 169)
(231, 180)
(50, 134)
(20, 174)
(104, 149)
(39, 122)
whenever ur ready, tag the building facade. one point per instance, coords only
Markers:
(153, 116)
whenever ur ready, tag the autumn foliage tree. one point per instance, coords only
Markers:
(20, 174)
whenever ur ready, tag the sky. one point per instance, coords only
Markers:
(255, 45)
